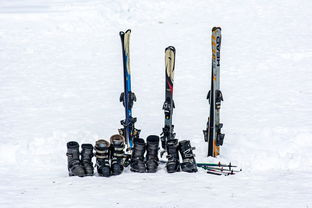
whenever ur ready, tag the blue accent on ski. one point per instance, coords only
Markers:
(128, 109)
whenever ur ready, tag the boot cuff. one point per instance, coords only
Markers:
(118, 138)
(185, 144)
(72, 145)
(101, 144)
(86, 146)
(152, 139)
(138, 141)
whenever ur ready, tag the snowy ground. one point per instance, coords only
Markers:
(61, 76)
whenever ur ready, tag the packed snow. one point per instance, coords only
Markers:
(61, 77)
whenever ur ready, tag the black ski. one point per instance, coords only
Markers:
(167, 133)
(213, 134)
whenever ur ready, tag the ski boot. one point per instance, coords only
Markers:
(152, 147)
(74, 165)
(117, 153)
(102, 157)
(189, 163)
(86, 158)
(173, 164)
(137, 157)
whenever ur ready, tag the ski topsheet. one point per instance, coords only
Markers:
(127, 97)
(213, 134)
(168, 106)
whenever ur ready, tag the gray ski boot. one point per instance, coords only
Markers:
(152, 147)
(102, 157)
(86, 158)
(173, 164)
(189, 163)
(137, 158)
(74, 165)
(117, 153)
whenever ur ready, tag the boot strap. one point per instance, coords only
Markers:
(138, 158)
(118, 154)
(118, 148)
(153, 159)
(101, 157)
(171, 158)
(188, 153)
(75, 163)
(69, 154)
(101, 151)
(106, 163)
(188, 160)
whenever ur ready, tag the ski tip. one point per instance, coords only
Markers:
(216, 28)
(170, 48)
(122, 33)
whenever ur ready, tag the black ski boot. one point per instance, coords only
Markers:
(189, 163)
(74, 165)
(173, 164)
(137, 157)
(102, 157)
(152, 147)
(117, 153)
(86, 158)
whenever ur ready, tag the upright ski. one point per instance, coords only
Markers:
(127, 97)
(167, 133)
(213, 134)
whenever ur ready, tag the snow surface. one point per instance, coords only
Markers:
(61, 77)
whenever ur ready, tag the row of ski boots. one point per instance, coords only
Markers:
(111, 158)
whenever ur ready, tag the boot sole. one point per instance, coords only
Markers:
(137, 171)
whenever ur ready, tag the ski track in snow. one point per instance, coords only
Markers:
(61, 77)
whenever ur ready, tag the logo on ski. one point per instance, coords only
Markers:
(218, 50)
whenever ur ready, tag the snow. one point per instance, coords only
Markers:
(61, 77)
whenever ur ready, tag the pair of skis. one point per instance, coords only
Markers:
(212, 134)
(128, 97)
